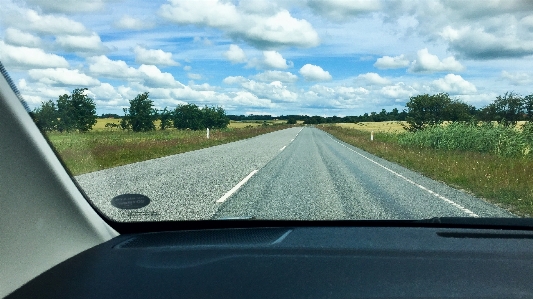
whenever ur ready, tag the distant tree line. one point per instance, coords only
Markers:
(77, 112)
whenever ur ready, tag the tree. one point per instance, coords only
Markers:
(528, 107)
(508, 109)
(165, 116)
(46, 116)
(215, 117)
(427, 110)
(291, 121)
(188, 116)
(76, 111)
(140, 116)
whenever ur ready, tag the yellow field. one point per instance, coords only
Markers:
(386, 126)
(101, 122)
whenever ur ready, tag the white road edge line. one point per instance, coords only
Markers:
(236, 187)
(460, 207)
(283, 148)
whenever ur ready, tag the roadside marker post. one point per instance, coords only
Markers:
(207, 133)
(372, 136)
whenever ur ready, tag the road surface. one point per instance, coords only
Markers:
(297, 173)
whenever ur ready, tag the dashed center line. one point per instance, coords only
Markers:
(283, 148)
(460, 207)
(236, 187)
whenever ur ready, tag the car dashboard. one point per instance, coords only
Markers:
(297, 262)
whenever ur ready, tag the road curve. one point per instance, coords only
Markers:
(290, 174)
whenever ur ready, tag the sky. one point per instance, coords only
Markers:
(313, 57)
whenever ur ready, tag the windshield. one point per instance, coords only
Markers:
(282, 110)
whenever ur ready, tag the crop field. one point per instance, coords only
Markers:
(386, 126)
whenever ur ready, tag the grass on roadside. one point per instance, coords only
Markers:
(101, 149)
(505, 181)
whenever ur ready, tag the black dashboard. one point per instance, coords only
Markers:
(298, 262)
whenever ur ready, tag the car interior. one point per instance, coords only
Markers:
(54, 244)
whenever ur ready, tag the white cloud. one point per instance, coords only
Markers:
(263, 31)
(426, 62)
(155, 57)
(50, 24)
(388, 62)
(68, 5)
(187, 68)
(62, 76)
(269, 76)
(24, 57)
(398, 91)
(130, 23)
(153, 77)
(454, 84)
(477, 43)
(234, 80)
(274, 59)
(374, 78)
(103, 66)
(81, 43)
(235, 54)
(16, 37)
(340, 10)
(518, 78)
(314, 73)
(194, 76)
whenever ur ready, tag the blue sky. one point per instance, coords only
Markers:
(314, 57)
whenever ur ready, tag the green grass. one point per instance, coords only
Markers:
(504, 180)
(101, 149)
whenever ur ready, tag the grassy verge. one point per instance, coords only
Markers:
(505, 181)
(101, 149)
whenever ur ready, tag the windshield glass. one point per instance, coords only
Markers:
(293, 110)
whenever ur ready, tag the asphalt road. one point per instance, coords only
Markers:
(290, 174)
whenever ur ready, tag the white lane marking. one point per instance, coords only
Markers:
(236, 187)
(292, 140)
(460, 207)
(283, 148)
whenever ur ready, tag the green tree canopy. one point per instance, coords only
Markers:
(76, 111)
(140, 116)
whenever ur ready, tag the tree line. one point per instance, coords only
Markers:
(77, 112)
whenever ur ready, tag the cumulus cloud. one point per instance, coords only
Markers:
(373, 78)
(518, 78)
(103, 66)
(314, 73)
(16, 37)
(269, 76)
(399, 91)
(477, 43)
(426, 62)
(155, 57)
(153, 77)
(262, 31)
(274, 59)
(275, 91)
(68, 5)
(81, 43)
(454, 84)
(341, 10)
(130, 23)
(235, 54)
(49, 24)
(388, 62)
(194, 76)
(25, 57)
(62, 76)
(146, 74)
